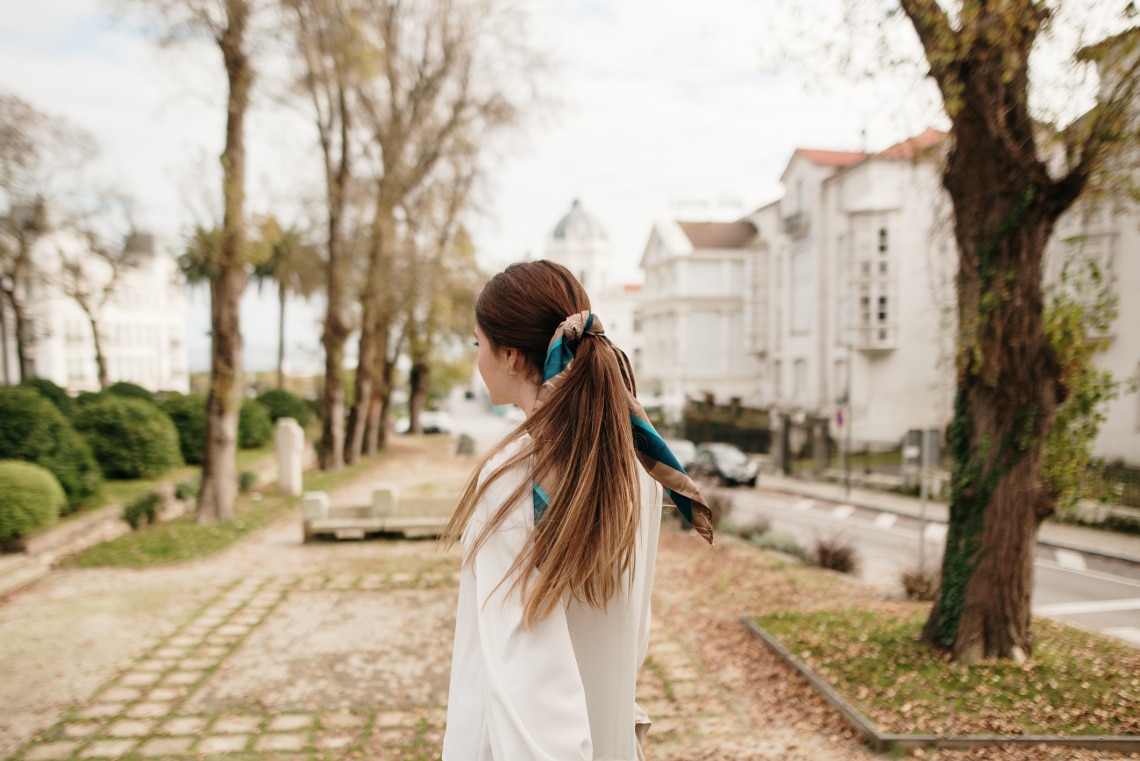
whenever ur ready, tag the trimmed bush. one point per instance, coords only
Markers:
(255, 429)
(35, 431)
(185, 490)
(188, 413)
(57, 395)
(130, 390)
(836, 555)
(280, 403)
(130, 438)
(142, 510)
(246, 481)
(30, 497)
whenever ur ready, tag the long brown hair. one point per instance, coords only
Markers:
(581, 452)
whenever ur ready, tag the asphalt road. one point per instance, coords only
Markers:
(1084, 591)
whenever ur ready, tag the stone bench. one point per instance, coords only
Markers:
(387, 513)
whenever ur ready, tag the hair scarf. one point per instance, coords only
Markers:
(654, 455)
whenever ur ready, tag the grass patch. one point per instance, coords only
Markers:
(183, 539)
(1076, 683)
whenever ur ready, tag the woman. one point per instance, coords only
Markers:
(559, 531)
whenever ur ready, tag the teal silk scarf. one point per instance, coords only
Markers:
(654, 455)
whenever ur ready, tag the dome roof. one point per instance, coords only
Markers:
(578, 225)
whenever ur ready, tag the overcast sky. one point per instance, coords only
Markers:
(662, 105)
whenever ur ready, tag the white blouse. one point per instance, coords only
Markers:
(563, 690)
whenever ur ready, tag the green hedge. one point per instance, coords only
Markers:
(130, 390)
(255, 429)
(131, 438)
(35, 431)
(57, 395)
(188, 413)
(280, 403)
(30, 497)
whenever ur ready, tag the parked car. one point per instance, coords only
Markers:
(684, 450)
(725, 464)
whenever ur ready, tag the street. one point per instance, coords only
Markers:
(1085, 591)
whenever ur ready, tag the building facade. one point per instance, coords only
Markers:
(142, 324)
(850, 311)
(693, 314)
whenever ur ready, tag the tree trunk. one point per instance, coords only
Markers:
(1008, 391)
(100, 359)
(330, 452)
(417, 382)
(21, 329)
(219, 472)
(282, 295)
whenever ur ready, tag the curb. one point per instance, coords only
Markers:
(884, 742)
(1132, 559)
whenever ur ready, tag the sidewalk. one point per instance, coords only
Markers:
(1060, 535)
(337, 650)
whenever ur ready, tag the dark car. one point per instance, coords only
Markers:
(724, 464)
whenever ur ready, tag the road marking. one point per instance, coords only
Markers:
(1089, 606)
(885, 520)
(805, 504)
(843, 511)
(1069, 559)
(1126, 633)
(936, 532)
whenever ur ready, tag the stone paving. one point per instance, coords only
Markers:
(338, 650)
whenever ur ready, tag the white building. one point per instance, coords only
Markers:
(692, 313)
(850, 293)
(143, 323)
(851, 301)
(580, 244)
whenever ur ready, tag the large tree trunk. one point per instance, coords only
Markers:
(1008, 390)
(330, 452)
(219, 472)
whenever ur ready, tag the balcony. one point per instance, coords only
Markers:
(878, 338)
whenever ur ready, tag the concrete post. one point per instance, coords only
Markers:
(289, 441)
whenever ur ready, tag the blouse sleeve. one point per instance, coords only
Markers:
(535, 701)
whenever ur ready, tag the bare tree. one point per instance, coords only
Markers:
(99, 246)
(328, 38)
(39, 156)
(229, 24)
(444, 89)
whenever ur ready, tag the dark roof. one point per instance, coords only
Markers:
(719, 234)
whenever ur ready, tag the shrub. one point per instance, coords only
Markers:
(188, 413)
(720, 505)
(836, 555)
(130, 438)
(30, 497)
(35, 431)
(145, 508)
(280, 403)
(255, 429)
(922, 587)
(54, 394)
(185, 490)
(246, 481)
(130, 390)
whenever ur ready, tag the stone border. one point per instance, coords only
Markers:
(883, 742)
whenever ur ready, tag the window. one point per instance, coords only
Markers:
(882, 309)
(800, 376)
(802, 295)
(882, 240)
(864, 310)
(841, 389)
